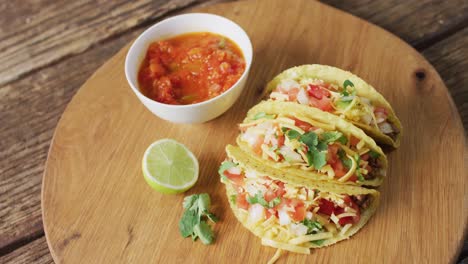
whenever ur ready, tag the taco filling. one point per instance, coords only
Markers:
(339, 100)
(311, 146)
(292, 217)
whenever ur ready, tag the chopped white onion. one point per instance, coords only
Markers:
(256, 213)
(386, 128)
(250, 174)
(299, 229)
(302, 97)
(287, 85)
(234, 170)
(284, 218)
(290, 155)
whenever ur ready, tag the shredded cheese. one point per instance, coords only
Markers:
(346, 215)
(351, 170)
(275, 257)
(307, 238)
(285, 246)
(345, 229)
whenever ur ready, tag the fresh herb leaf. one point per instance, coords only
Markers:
(274, 202)
(374, 154)
(346, 95)
(233, 198)
(263, 115)
(344, 159)
(213, 218)
(360, 177)
(319, 159)
(322, 146)
(318, 242)
(309, 138)
(293, 134)
(226, 165)
(194, 219)
(204, 204)
(342, 104)
(312, 226)
(343, 140)
(189, 220)
(331, 136)
(204, 232)
(189, 201)
(347, 83)
(258, 199)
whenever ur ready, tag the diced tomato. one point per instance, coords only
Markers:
(280, 141)
(299, 209)
(381, 110)
(326, 207)
(257, 147)
(269, 195)
(353, 141)
(303, 125)
(299, 213)
(365, 157)
(338, 168)
(332, 156)
(241, 201)
(323, 104)
(353, 178)
(317, 91)
(280, 191)
(237, 179)
(270, 212)
(292, 94)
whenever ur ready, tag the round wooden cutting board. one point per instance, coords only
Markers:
(97, 208)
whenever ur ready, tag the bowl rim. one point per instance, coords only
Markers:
(168, 20)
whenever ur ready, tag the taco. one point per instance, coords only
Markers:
(291, 213)
(312, 144)
(341, 93)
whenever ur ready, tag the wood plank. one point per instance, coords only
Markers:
(114, 204)
(35, 252)
(38, 33)
(51, 30)
(450, 58)
(418, 22)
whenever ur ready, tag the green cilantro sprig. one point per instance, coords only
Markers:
(258, 199)
(374, 154)
(194, 220)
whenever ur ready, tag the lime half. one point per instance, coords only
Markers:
(169, 166)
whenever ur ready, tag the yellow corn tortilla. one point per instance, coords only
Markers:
(247, 163)
(301, 111)
(337, 76)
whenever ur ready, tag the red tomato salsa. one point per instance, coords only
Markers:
(190, 68)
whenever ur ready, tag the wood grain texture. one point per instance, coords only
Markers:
(450, 58)
(96, 201)
(29, 111)
(35, 252)
(420, 23)
(56, 29)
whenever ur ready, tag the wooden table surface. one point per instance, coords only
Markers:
(48, 48)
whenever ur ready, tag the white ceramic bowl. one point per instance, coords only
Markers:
(195, 22)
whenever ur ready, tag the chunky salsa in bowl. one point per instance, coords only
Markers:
(190, 68)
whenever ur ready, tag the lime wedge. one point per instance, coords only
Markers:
(169, 167)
